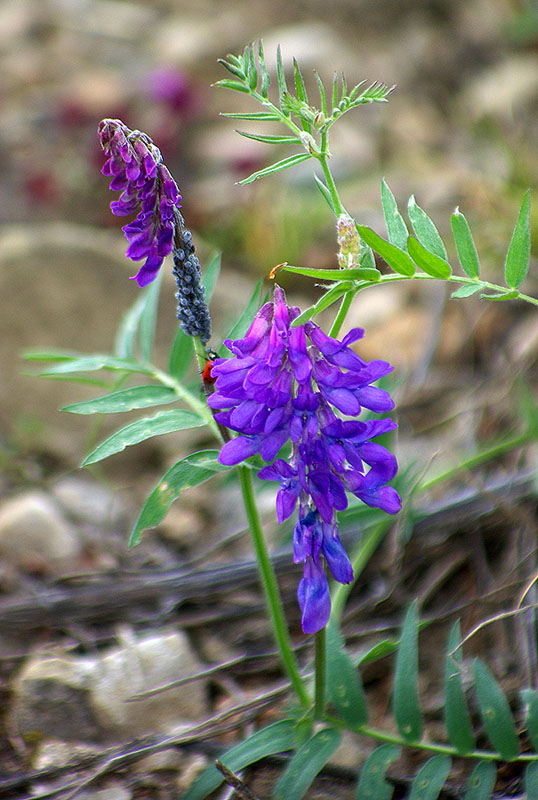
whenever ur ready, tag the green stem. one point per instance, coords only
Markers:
(197, 404)
(331, 185)
(271, 591)
(369, 542)
(319, 667)
(431, 747)
(342, 314)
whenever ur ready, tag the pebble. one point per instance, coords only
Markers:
(87, 500)
(88, 698)
(34, 535)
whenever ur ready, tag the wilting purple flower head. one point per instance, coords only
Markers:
(299, 385)
(147, 189)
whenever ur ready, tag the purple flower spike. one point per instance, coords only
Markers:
(147, 189)
(293, 385)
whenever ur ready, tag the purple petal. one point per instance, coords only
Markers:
(238, 449)
(314, 598)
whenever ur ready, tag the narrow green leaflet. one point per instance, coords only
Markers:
(142, 429)
(425, 230)
(148, 318)
(125, 400)
(344, 686)
(187, 472)
(495, 712)
(235, 86)
(276, 738)
(290, 161)
(256, 116)
(430, 779)
(530, 698)
(269, 139)
(405, 693)
(428, 261)
(210, 276)
(372, 783)
(94, 363)
(181, 355)
(468, 289)
(499, 297)
(355, 274)
(396, 227)
(457, 720)
(396, 258)
(481, 781)
(325, 193)
(281, 77)
(326, 300)
(385, 648)
(125, 343)
(519, 250)
(299, 83)
(50, 355)
(306, 763)
(531, 781)
(465, 245)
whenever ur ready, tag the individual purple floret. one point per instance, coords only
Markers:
(298, 385)
(147, 189)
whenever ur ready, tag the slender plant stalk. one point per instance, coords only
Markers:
(270, 587)
(320, 669)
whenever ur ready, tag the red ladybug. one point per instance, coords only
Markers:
(207, 378)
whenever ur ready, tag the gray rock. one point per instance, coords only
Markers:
(87, 500)
(89, 699)
(34, 534)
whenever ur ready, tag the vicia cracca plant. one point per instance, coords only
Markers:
(299, 407)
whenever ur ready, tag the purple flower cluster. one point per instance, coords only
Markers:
(147, 189)
(298, 384)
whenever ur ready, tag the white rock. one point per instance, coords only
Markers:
(87, 500)
(140, 665)
(87, 699)
(34, 534)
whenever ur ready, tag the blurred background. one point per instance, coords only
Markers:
(460, 129)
